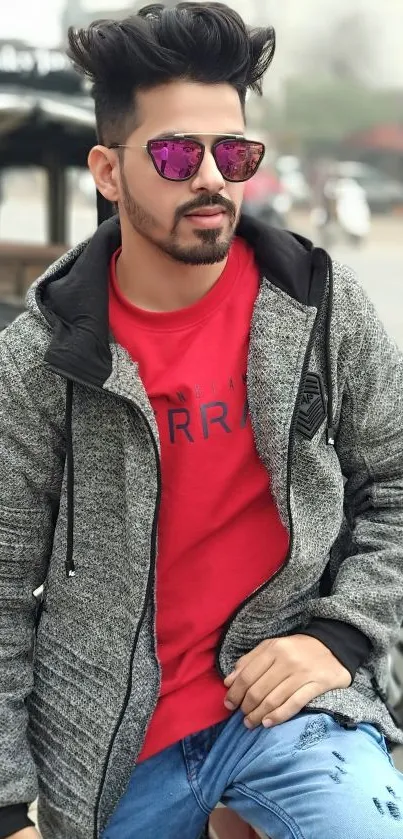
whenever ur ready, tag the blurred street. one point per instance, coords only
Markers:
(380, 270)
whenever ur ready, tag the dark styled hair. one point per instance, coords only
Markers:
(202, 42)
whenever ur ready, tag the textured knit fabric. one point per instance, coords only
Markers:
(207, 447)
(75, 706)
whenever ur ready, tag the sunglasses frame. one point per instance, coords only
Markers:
(230, 137)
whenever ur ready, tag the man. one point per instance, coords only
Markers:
(201, 456)
(164, 157)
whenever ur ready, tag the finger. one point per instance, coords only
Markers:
(293, 706)
(248, 677)
(274, 699)
(269, 700)
(267, 685)
(243, 661)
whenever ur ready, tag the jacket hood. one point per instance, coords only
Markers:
(72, 295)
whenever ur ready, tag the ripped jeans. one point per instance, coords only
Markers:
(308, 778)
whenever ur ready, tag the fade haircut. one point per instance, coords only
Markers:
(199, 42)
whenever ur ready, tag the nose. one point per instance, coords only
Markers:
(208, 178)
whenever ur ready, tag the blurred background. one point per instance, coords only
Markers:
(331, 117)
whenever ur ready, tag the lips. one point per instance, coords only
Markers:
(208, 211)
(206, 219)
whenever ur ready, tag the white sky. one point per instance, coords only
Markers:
(34, 21)
(38, 21)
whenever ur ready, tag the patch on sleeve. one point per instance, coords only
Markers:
(312, 410)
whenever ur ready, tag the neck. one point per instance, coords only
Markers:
(152, 280)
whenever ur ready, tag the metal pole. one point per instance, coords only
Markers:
(57, 200)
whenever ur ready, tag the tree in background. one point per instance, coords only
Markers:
(344, 51)
(329, 95)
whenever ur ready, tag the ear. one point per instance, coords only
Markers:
(104, 167)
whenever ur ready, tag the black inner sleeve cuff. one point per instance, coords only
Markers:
(14, 818)
(350, 646)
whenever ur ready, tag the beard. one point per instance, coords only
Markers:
(210, 249)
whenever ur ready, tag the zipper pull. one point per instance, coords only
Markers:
(70, 568)
(38, 593)
(331, 436)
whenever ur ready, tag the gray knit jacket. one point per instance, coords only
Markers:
(80, 492)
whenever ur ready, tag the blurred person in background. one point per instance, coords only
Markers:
(341, 209)
(164, 157)
(324, 213)
(352, 211)
(201, 438)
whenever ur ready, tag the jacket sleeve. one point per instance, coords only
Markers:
(367, 567)
(31, 467)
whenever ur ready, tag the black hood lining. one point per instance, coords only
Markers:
(76, 303)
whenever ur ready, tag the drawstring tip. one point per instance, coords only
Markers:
(331, 437)
(70, 568)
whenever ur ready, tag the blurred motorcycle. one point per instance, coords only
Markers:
(344, 214)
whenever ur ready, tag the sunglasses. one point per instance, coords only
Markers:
(179, 157)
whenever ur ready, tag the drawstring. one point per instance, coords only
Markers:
(331, 431)
(69, 564)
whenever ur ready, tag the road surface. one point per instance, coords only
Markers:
(378, 264)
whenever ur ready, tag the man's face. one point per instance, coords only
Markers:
(159, 209)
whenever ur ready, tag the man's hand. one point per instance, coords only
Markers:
(26, 833)
(278, 678)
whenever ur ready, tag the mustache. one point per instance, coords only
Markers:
(206, 201)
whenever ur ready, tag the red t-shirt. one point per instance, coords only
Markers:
(220, 535)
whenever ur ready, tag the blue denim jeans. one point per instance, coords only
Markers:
(308, 778)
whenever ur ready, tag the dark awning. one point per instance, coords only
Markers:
(46, 119)
(37, 124)
(45, 108)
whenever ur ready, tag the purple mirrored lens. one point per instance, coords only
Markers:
(238, 160)
(176, 159)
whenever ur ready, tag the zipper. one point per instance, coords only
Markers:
(291, 440)
(39, 595)
(151, 574)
